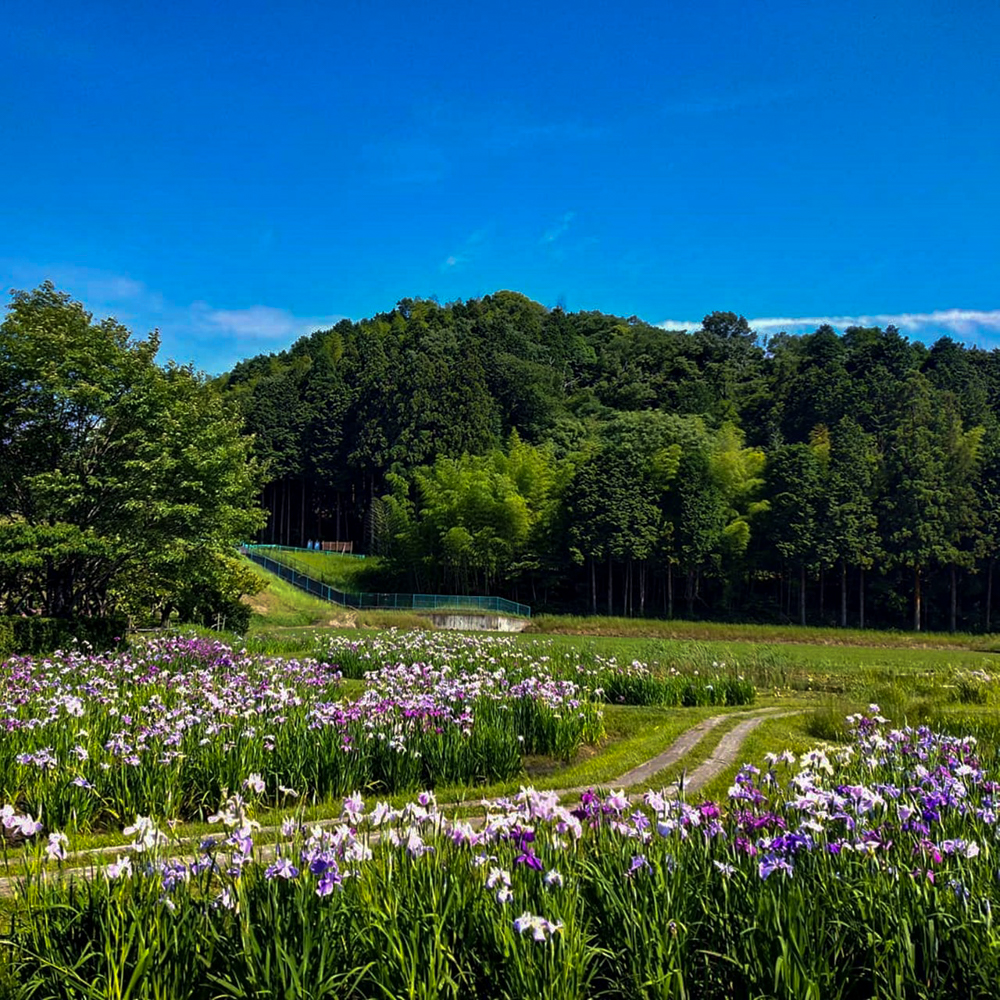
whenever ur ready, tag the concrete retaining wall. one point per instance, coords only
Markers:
(472, 622)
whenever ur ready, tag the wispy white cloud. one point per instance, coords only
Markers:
(471, 245)
(961, 322)
(90, 285)
(555, 231)
(216, 337)
(679, 324)
(257, 323)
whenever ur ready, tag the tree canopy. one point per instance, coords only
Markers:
(123, 485)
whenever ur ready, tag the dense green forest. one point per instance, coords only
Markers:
(581, 461)
(573, 461)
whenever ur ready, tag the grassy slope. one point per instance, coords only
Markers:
(335, 570)
(280, 606)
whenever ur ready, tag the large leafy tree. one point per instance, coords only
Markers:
(617, 499)
(989, 504)
(122, 483)
(615, 512)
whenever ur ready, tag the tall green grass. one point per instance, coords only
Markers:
(657, 628)
(677, 916)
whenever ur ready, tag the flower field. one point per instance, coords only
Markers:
(174, 724)
(631, 682)
(869, 871)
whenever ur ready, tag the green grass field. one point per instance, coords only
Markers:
(285, 617)
(653, 628)
(821, 674)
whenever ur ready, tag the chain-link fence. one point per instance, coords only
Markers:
(401, 602)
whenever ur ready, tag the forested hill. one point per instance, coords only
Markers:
(581, 460)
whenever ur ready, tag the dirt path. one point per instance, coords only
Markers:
(682, 746)
(724, 756)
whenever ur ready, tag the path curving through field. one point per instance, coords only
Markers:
(724, 756)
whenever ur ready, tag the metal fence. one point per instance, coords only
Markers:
(401, 602)
(268, 547)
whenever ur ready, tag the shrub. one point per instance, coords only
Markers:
(33, 635)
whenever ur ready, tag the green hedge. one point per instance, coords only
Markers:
(42, 635)
(217, 611)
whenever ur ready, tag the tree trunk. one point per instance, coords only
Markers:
(275, 513)
(822, 596)
(916, 598)
(989, 596)
(610, 601)
(670, 590)
(302, 518)
(843, 593)
(279, 524)
(281, 514)
(689, 594)
(802, 594)
(953, 612)
(861, 597)
(54, 590)
(593, 585)
(642, 589)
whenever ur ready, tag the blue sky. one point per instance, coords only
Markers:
(237, 174)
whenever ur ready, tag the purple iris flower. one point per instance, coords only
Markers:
(529, 858)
